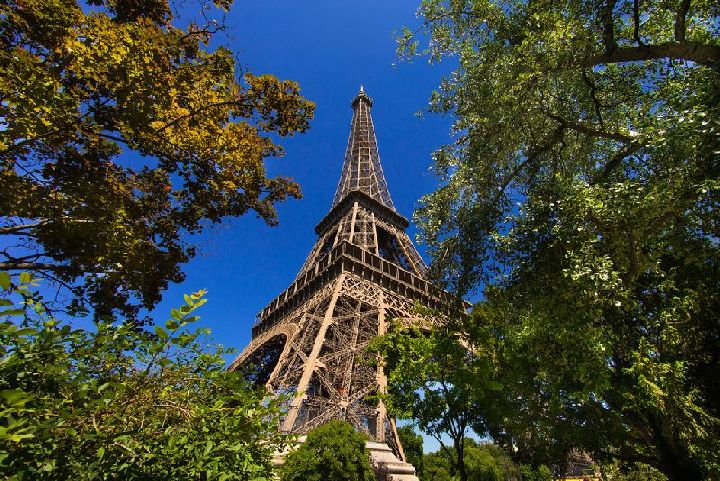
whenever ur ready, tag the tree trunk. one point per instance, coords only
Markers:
(675, 470)
(673, 458)
(460, 451)
(677, 466)
(703, 54)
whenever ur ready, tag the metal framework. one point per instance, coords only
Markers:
(363, 270)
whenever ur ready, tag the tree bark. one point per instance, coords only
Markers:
(674, 460)
(606, 16)
(13, 229)
(31, 266)
(460, 451)
(700, 53)
(680, 20)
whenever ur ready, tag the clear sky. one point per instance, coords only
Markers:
(330, 48)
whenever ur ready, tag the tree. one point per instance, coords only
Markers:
(332, 451)
(121, 134)
(436, 467)
(581, 196)
(542, 473)
(485, 462)
(439, 379)
(117, 402)
(412, 444)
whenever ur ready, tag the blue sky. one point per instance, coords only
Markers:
(330, 48)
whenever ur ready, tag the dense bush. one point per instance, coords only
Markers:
(333, 451)
(116, 402)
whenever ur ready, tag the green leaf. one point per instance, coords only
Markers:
(26, 331)
(15, 397)
(161, 333)
(5, 280)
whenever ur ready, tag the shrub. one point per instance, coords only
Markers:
(333, 451)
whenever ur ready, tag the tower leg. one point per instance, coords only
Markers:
(311, 363)
(381, 378)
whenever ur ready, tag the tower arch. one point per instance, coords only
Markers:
(260, 360)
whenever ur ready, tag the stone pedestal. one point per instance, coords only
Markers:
(387, 466)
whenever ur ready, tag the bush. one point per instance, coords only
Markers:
(334, 451)
(117, 402)
(412, 444)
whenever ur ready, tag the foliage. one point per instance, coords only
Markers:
(636, 472)
(436, 467)
(332, 451)
(437, 379)
(542, 473)
(412, 444)
(122, 132)
(485, 462)
(581, 195)
(117, 402)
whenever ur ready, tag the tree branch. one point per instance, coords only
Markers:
(702, 54)
(614, 162)
(589, 130)
(680, 28)
(636, 22)
(203, 33)
(33, 266)
(608, 26)
(593, 96)
(24, 258)
(112, 137)
(196, 112)
(15, 228)
(529, 158)
(15, 147)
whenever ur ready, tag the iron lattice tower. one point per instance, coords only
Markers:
(362, 271)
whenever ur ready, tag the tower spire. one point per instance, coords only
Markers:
(362, 170)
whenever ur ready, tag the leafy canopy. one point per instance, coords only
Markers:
(332, 451)
(117, 402)
(581, 198)
(121, 133)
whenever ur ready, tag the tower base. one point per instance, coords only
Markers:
(387, 466)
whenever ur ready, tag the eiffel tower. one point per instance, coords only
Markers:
(362, 271)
